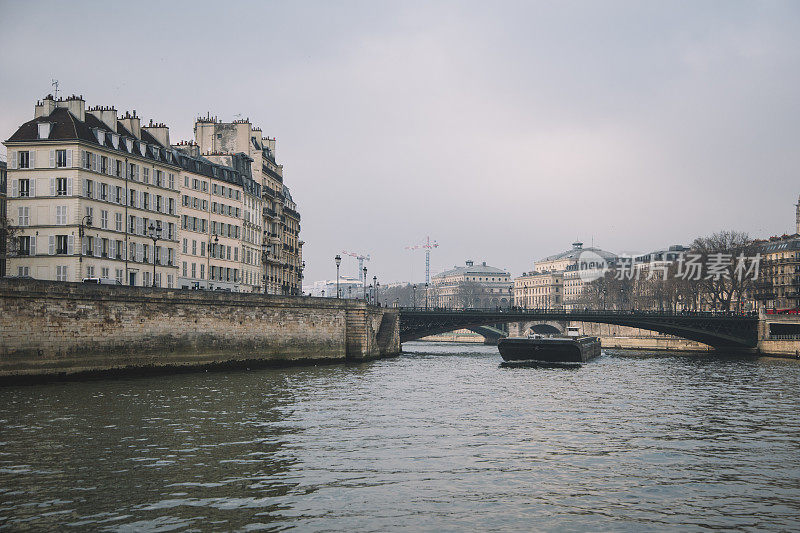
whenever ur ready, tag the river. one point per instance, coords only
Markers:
(441, 438)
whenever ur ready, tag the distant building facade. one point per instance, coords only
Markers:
(472, 286)
(557, 281)
(778, 283)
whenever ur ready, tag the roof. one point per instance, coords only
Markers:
(576, 251)
(67, 127)
(469, 269)
(783, 245)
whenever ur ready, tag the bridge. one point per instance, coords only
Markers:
(718, 330)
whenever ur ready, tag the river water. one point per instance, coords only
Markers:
(440, 438)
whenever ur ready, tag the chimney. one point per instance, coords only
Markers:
(132, 123)
(160, 132)
(75, 105)
(45, 107)
(797, 216)
(105, 114)
(188, 147)
(469, 262)
(577, 245)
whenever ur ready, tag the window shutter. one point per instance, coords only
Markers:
(52, 159)
(138, 252)
(93, 158)
(98, 246)
(84, 158)
(84, 245)
(69, 158)
(163, 256)
(69, 186)
(139, 225)
(70, 244)
(137, 172)
(33, 245)
(52, 245)
(110, 166)
(112, 248)
(32, 187)
(32, 159)
(14, 188)
(85, 187)
(13, 159)
(52, 186)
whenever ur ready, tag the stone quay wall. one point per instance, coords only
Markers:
(54, 328)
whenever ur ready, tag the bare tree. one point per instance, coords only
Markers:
(720, 252)
(469, 294)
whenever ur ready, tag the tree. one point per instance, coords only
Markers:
(469, 294)
(720, 284)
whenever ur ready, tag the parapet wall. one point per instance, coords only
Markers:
(49, 328)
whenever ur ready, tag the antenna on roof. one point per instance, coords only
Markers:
(54, 83)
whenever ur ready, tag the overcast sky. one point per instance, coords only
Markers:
(504, 130)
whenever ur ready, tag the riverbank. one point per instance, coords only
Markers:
(52, 329)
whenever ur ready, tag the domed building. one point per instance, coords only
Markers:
(556, 282)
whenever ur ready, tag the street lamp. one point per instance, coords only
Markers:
(87, 222)
(377, 294)
(208, 258)
(375, 285)
(338, 260)
(155, 233)
(365, 284)
(414, 296)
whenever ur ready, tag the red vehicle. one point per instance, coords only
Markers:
(792, 311)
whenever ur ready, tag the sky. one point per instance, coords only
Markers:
(503, 130)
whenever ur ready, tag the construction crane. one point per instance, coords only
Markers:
(361, 258)
(427, 246)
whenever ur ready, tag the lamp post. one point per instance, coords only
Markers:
(87, 222)
(338, 260)
(426, 295)
(375, 286)
(210, 248)
(154, 233)
(414, 296)
(365, 284)
(377, 294)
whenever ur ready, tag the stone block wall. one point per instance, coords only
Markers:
(63, 328)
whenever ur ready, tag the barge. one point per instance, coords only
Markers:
(573, 348)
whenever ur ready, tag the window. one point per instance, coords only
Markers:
(89, 271)
(24, 246)
(104, 272)
(24, 159)
(24, 188)
(194, 270)
(103, 219)
(146, 201)
(61, 187)
(171, 206)
(23, 271)
(61, 215)
(89, 189)
(61, 245)
(120, 167)
(118, 221)
(23, 219)
(119, 275)
(202, 271)
(194, 247)
(103, 191)
(158, 203)
(171, 183)
(118, 196)
(118, 249)
(61, 273)
(203, 248)
(146, 174)
(132, 202)
(145, 255)
(184, 269)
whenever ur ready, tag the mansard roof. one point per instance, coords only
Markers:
(470, 269)
(67, 127)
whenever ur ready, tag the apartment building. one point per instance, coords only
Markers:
(282, 247)
(221, 227)
(3, 219)
(92, 196)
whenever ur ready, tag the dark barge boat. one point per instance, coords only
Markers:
(537, 348)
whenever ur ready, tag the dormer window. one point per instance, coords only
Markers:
(115, 140)
(143, 148)
(101, 136)
(129, 144)
(44, 130)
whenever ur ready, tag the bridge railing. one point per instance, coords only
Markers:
(581, 312)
